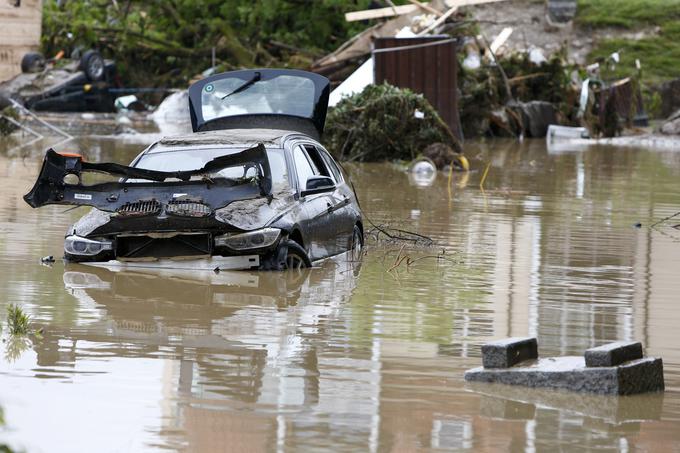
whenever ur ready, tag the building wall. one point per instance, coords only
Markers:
(19, 33)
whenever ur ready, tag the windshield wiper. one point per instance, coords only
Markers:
(245, 86)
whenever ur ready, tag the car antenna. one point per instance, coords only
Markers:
(256, 78)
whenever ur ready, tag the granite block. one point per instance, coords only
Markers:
(612, 354)
(509, 352)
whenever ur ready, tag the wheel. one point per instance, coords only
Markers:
(288, 255)
(32, 62)
(296, 257)
(357, 243)
(92, 64)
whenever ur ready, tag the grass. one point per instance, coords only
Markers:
(628, 14)
(17, 321)
(659, 53)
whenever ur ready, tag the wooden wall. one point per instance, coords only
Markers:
(19, 33)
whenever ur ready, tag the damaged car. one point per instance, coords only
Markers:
(250, 188)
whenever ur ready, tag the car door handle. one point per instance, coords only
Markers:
(329, 207)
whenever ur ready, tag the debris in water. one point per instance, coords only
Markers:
(17, 321)
(380, 124)
(613, 369)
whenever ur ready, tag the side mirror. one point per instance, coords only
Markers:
(318, 184)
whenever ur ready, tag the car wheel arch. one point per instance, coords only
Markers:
(296, 235)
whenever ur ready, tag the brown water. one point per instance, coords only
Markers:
(351, 357)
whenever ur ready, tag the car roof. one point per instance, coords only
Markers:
(271, 138)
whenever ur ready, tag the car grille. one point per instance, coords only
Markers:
(140, 208)
(188, 208)
(176, 246)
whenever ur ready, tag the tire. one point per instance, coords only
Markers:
(92, 64)
(295, 257)
(288, 255)
(356, 244)
(32, 62)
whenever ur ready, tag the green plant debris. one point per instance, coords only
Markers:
(18, 322)
(380, 123)
(484, 90)
(169, 42)
(7, 127)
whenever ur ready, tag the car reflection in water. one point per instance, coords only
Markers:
(234, 338)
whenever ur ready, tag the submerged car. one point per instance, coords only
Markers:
(252, 187)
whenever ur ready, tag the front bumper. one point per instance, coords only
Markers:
(214, 263)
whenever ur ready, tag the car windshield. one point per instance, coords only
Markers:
(193, 159)
(285, 94)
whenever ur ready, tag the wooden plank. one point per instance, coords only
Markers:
(379, 13)
(440, 20)
(426, 7)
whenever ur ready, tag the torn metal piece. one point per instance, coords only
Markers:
(125, 197)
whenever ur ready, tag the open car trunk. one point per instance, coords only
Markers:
(285, 99)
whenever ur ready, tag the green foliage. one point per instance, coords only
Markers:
(483, 90)
(380, 124)
(7, 127)
(626, 13)
(17, 321)
(659, 53)
(157, 42)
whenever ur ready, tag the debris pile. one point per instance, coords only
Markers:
(534, 96)
(8, 119)
(385, 123)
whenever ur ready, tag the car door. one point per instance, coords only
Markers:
(342, 216)
(316, 221)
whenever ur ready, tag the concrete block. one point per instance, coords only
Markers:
(509, 352)
(613, 354)
(571, 373)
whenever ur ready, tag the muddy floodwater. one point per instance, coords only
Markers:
(357, 356)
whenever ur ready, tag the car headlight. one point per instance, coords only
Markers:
(76, 245)
(250, 240)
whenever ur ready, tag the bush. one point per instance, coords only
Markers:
(380, 123)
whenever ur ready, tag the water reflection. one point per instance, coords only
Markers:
(356, 358)
(232, 339)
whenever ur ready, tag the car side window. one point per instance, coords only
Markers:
(330, 163)
(303, 166)
(318, 161)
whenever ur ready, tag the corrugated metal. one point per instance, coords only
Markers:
(427, 65)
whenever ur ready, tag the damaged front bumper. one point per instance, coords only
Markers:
(158, 191)
(214, 263)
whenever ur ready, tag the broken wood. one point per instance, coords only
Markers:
(406, 9)
(439, 21)
(426, 7)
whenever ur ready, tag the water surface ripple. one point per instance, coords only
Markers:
(355, 356)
